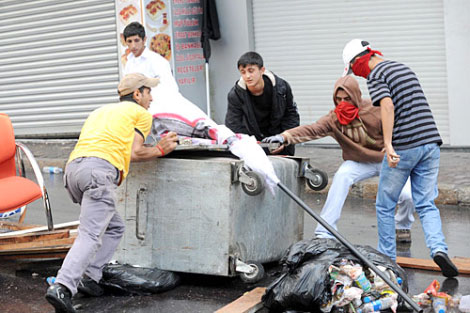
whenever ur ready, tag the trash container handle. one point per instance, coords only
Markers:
(140, 235)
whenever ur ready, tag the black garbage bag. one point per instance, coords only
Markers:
(127, 279)
(304, 284)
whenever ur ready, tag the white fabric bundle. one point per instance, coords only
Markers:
(173, 112)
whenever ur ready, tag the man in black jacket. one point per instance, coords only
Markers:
(260, 104)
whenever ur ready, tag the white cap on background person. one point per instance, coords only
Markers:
(351, 50)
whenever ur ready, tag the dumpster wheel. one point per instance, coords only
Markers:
(317, 179)
(255, 185)
(257, 272)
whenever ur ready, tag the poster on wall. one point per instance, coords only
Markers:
(189, 59)
(173, 30)
(157, 27)
(128, 11)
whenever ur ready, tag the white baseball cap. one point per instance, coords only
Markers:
(351, 50)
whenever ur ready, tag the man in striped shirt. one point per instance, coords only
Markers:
(411, 141)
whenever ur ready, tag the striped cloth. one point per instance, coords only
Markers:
(414, 124)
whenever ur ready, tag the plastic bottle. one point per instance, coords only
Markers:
(439, 305)
(363, 283)
(52, 169)
(356, 303)
(357, 274)
(399, 281)
(377, 305)
(367, 299)
(464, 305)
(50, 280)
(454, 301)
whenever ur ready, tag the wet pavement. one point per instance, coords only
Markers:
(23, 284)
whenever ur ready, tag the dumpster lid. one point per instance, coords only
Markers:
(187, 145)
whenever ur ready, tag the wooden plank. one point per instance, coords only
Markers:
(41, 228)
(48, 253)
(250, 302)
(16, 226)
(41, 236)
(36, 244)
(463, 264)
(461, 259)
(37, 250)
(56, 254)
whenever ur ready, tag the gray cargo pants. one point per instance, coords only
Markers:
(91, 182)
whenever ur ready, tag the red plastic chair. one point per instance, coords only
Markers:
(18, 191)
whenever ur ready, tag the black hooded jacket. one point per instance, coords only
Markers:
(240, 117)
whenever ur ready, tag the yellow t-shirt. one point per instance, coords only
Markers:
(108, 133)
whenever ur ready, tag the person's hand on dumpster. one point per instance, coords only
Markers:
(168, 143)
(275, 139)
(140, 152)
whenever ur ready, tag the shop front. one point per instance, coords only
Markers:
(60, 60)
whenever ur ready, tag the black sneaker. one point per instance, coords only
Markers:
(60, 297)
(448, 268)
(89, 287)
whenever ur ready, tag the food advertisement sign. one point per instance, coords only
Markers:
(173, 30)
(189, 60)
(128, 11)
(154, 15)
(157, 27)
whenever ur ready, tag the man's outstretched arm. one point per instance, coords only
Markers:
(143, 153)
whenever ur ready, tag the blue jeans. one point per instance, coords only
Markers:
(351, 172)
(421, 164)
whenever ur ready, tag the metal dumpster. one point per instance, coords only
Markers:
(194, 214)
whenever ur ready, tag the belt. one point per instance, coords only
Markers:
(120, 174)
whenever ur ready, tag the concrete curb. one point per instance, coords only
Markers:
(50, 152)
(448, 194)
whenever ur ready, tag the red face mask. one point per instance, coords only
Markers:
(361, 65)
(346, 112)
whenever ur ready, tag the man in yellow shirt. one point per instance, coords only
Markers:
(112, 136)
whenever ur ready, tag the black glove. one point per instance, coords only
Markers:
(273, 139)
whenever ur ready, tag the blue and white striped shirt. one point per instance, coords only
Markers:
(414, 124)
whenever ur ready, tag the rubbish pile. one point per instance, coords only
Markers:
(442, 302)
(323, 275)
(358, 290)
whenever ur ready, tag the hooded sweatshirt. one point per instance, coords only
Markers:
(361, 140)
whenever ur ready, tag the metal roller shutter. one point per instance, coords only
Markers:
(302, 41)
(58, 62)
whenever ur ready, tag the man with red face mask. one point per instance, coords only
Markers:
(411, 142)
(355, 124)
